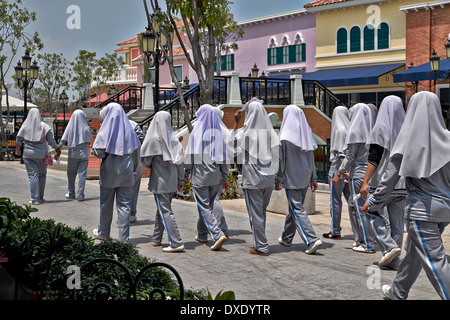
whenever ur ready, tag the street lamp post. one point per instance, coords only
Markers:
(26, 74)
(64, 100)
(441, 75)
(152, 41)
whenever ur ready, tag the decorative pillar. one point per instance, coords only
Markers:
(297, 90)
(234, 91)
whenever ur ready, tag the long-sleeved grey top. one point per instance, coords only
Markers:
(78, 152)
(355, 162)
(204, 171)
(165, 177)
(296, 167)
(117, 170)
(428, 199)
(37, 149)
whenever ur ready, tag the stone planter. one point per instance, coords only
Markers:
(279, 203)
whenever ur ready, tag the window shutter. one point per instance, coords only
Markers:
(223, 64)
(292, 54)
(383, 36)
(303, 46)
(355, 39)
(232, 61)
(215, 64)
(341, 40)
(269, 54)
(279, 55)
(369, 37)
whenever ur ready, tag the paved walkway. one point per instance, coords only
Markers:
(334, 272)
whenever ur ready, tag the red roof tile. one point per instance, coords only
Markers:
(323, 2)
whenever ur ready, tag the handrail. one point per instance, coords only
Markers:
(273, 91)
(117, 97)
(315, 93)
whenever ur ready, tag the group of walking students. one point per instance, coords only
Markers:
(391, 166)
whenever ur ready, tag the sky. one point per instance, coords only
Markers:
(104, 23)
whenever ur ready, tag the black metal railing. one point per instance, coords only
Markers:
(322, 161)
(272, 90)
(316, 94)
(129, 98)
(112, 274)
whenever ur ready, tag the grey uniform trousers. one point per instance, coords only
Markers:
(362, 229)
(218, 211)
(297, 218)
(388, 225)
(74, 167)
(37, 176)
(207, 221)
(122, 196)
(135, 194)
(336, 193)
(257, 201)
(424, 249)
(165, 219)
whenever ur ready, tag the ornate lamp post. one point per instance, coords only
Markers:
(26, 74)
(151, 46)
(64, 100)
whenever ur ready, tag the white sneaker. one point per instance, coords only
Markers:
(313, 246)
(362, 249)
(133, 219)
(170, 249)
(284, 243)
(97, 235)
(389, 256)
(219, 243)
(386, 291)
(68, 196)
(200, 240)
(33, 202)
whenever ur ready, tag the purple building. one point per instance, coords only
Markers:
(279, 44)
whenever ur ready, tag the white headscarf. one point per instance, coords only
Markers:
(116, 135)
(339, 128)
(207, 137)
(161, 140)
(77, 130)
(389, 121)
(257, 136)
(295, 129)
(423, 140)
(360, 124)
(245, 106)
(33, 129)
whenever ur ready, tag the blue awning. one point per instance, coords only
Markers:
(351, 76)
(422, 72)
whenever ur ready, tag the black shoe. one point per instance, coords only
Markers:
(330, 235)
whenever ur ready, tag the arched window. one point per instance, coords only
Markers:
(285, 51)
(272, 52)
(369, 37)
(341, 40)
(355, 39)
(383, 36)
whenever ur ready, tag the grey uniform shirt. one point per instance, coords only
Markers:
(78, 152)
(378, 174)
(355, 162)
(335, 162)
(204, 171)
(37, 149)
(296, 168)
(165, 176)
(115, 170)
(428, 199)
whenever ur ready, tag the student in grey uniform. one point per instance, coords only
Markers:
(258, 151)
(387, 222)
(163, 154)
(138, 178)
(339, 127)
(206, 163)
(355, 163)
(34, 136)
(296, 173)
(421, 154)
(117, 145)
(218, 210)
(77, 136)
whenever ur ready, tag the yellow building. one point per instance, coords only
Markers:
(360, 44)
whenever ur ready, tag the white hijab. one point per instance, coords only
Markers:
(423, 140)
(161, 140)
(77, 130)
(374, 110)
(361, 124)
(339, 127)
(33, 129)
(116, 135)
(388, 124)
(207, 137)
(257, 136)
(295, 129)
